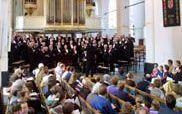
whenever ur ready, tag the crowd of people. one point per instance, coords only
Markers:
(96, 91)
(46, 90)
(84, 53)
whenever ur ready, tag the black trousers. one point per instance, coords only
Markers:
(90, 67)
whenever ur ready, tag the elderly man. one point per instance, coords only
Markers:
(101, 103)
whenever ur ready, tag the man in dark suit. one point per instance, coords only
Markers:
(111, 58)
(105, 55)
(91, 59)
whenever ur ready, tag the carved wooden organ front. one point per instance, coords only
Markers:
(65, 12)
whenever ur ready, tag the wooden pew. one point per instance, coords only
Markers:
(145, 94)
(118, 99)
(149, 95)
(17, 63)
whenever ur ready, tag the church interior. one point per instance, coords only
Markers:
(90, 57)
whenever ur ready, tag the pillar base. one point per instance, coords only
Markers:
(4, 79)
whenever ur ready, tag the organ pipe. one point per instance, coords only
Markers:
(66, 12)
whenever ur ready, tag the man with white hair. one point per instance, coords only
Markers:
(59, 70)
(36, 71)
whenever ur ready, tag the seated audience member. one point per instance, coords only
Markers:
(17, 82)
(55, 96)
(73, 78)
(178, 95)
(31, 110)
(58, 109)
(178, 76)
(154, 71)
(23, 96)
(101, 103)
(154, 107)
(16, 109)
(122, 94)
(24, 108)
(167, 74)
(44, 81)
(36, 71)
(86, 89)
(59, 70)
(68, 108)
(121, 72)
(67, 74)
(140, 105)
(177, 65)
(51, 82)
(155, 90)
(113, 89)
(169, 87)
(96, 86)
(170, 108)
(127, 109)
(14, 97)
(90, 97)
(141, 111)
(106, 79)
(130, 80)
(171, 66)
(40, 75)
(160, 72)
(143, 85)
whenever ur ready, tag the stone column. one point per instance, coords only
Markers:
(5, 27)
(149, 31)
(104, 15)
(122, 17)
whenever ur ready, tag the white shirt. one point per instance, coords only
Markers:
(95, 88)
(58, 72)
